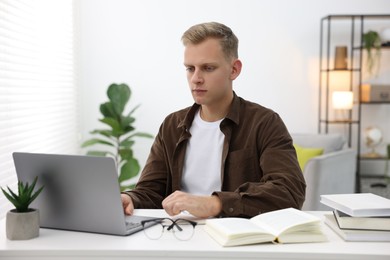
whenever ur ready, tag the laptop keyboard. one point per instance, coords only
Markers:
(132, 225)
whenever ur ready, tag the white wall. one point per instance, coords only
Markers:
(138, 43)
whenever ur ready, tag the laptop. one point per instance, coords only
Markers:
(81, 193)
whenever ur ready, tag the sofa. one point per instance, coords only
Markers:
(331, 171)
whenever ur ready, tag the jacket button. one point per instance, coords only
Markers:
(231, 210)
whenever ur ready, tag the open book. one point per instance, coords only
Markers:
(281, 226)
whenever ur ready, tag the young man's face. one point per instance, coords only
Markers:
(209, 73)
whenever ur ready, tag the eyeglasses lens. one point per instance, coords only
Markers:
(186, 230)
(182, 229)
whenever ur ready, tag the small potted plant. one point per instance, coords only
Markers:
(372, 43)
(22, 223)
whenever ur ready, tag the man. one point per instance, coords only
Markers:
(224, 156)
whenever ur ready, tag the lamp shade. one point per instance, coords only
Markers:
(342, 99)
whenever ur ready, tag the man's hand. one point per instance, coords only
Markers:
(198, 206)
(127, 203)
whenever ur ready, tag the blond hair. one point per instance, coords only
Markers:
(200, 32)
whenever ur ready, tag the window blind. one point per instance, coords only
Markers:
(38, 94)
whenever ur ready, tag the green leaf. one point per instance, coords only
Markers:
(35, 195)
(119, 95)
(20, 190)
(142, 134)
(107, 110)
(126, 154)
(29, 190)
(95, 141)
(126, 121)
(129, 170)
(127, 187)
(138, 134)
(105, 132)
(128, 129)
(12, 193)
(127, 143)
(115, 125)
(112, 134)
(9, 197)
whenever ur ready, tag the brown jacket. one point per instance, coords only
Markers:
(259, 168)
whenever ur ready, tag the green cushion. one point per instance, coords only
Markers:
(304, 154)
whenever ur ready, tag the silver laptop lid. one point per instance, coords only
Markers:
(81, 192)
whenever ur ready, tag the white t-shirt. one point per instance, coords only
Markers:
(202, 163)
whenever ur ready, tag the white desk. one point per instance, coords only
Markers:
(55, 244)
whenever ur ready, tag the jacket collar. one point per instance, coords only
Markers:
(233, 114)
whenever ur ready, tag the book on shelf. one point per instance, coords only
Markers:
(358, 204)
(280, 226)
(356, 234)
(346, 221)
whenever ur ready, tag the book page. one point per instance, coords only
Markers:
(236, 231)
(231, 227)
(286, 220)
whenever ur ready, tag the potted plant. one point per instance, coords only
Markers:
(22, 223)
(372, 42)
(120, 137)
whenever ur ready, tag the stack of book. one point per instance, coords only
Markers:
(358, 216)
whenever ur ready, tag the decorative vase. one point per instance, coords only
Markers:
(22, 225)
(385, 36)
(341, 58)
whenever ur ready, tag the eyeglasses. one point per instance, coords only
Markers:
(182, 229)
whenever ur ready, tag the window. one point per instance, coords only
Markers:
(38, 95)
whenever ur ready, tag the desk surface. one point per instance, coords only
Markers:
(56, 244)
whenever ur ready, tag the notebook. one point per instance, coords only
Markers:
(81, 193)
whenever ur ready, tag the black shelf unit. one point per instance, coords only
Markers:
(358, 24)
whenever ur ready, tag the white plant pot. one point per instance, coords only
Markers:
(22, 225)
